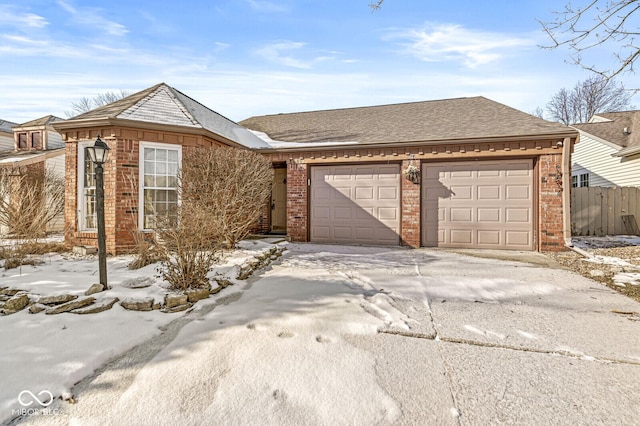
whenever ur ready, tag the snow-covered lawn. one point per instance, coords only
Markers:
(53, 352)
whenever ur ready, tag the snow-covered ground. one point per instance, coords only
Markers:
(53, 352)
(302, 345)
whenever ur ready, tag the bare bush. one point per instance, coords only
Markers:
(230, 185)
(31, 197)
(222, 194)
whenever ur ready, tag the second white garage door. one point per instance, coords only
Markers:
(480, 204)
(357, 204)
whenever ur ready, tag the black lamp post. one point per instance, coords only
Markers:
(99, 153)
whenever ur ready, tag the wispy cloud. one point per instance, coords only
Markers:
(10, 17)
(267, 6)
(93, 17)
(279, 53)
(452, 42)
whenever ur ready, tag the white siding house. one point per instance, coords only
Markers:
(608, 153)
(6, 135)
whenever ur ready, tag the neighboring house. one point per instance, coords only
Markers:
(609, 151)
(37, 144)
(487, 176)
(6, 135)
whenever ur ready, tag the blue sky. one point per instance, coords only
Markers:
(252, 57)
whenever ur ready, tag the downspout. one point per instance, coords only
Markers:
(566, 196)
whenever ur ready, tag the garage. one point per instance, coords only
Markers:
(478, 204)
(355, 204)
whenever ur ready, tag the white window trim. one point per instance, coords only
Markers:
(80, 200)
(144, 145)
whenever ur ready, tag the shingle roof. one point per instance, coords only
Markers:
(163, 104)
(5, 126)
(612, 129)
(440, 120)
(42, 121)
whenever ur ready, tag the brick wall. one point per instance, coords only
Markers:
(297, 221)
(550, 211)
(410, 206)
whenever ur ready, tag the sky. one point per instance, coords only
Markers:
(243, 58)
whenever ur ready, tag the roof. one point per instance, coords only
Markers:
(162, 104)
(5, 126)
(619, 128)
(42, 121)
(440, 120)
(13, 158)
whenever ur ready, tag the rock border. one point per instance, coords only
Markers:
(14, 300)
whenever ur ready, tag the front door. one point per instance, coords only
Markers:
(279, 201)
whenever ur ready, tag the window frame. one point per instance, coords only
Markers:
(584, 180)
(81, 205)
(141, 186)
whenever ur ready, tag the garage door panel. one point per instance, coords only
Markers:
(478, 204)
(364, 202)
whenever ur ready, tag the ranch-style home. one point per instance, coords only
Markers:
(459, 173)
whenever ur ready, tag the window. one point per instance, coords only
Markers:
(159, 181)
(36, 140)
(22, 140)
(580, 180)
(86, 189)
(584, 179)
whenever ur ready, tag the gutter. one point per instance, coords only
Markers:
(566, 197)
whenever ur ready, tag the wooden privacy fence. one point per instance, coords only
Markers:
(600, 211)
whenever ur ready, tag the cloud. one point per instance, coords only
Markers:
(92, 17)
(8, 16)
(276, 53)
(452, 42)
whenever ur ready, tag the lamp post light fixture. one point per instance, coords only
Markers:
(99, 154)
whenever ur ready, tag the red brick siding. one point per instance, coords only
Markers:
(410, 206)
(550, 213)
(297, 220)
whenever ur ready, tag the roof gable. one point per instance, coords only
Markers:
(441, 120)
(162, 104)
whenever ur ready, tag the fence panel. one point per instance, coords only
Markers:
(598, 211)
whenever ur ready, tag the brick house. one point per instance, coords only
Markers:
(486, 175)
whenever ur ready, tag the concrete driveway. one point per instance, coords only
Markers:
(354, 335)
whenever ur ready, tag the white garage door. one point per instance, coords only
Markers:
(480, 204)
(355, 204)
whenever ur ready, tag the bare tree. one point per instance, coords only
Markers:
(595, 94)
(606, 23)
(30, 198)
(87, 104)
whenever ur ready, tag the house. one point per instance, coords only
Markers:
(609, 151)
(35, 144)
(6, 135)
(486, 175)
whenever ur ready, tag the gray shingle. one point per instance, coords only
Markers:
(441, 120)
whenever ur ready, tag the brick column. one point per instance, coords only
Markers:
(550, 203)
(410, 207)
(297, 190)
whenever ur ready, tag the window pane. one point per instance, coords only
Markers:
(173, 156)
(149, 154)
(149, 167)
(161, 155)
(161, 181)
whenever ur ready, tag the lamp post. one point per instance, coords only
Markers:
(99, 154)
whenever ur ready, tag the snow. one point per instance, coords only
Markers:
(606, 242)
(282, 144)
(227, 362)
(53, 352)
